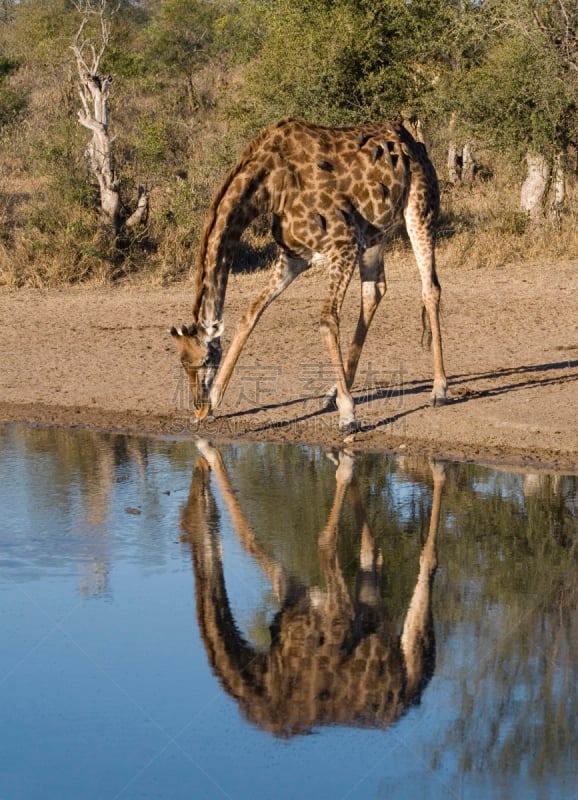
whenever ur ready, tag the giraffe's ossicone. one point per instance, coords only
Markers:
(334, 193)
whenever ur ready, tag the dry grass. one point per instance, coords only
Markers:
(49, 235)
(482, 226)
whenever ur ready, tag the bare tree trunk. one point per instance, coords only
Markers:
(99, 151)
(468, 163)
(454, 171)
(140, 215)
(453, 167)
(535, 186)
(94, 91)
(559, 181)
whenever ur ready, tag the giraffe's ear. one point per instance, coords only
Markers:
(213, 330)
(183, 331)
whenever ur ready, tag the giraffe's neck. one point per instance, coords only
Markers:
(208, 307)
(241, 198)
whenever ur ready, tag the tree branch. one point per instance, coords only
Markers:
(93, 92)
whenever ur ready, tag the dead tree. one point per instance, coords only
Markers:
(94, 91)
(535, 186)
(558, 205)
(461, 162)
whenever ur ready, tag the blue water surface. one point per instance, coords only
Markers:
(106, 687)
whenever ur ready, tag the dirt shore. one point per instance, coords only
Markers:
(102, 358)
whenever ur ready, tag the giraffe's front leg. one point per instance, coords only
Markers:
(341, 264)
(284, 271)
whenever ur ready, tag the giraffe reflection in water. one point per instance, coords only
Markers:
(335, 657)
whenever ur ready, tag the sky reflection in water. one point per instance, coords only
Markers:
(239, 633)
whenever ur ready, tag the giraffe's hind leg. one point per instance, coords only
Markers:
(418, 633)
(373, 289)
(422, 238)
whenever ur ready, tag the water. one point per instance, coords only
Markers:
(231, 627)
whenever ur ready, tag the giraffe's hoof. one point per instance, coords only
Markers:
(349, 428)
(328, 403)
(437, 401)
(209, 453)
(439, 393)
(344, 472)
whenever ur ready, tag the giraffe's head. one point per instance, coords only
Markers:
(200, 351)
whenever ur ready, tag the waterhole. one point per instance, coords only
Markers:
(185, 620)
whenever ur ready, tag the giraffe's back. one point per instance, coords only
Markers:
(315, 176)
(314, 179)
(311, 677)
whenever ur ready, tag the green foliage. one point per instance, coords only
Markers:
(181, 36)
(125, 64)
(59, 153)
(8, 66)
(344, 61)
(324, 61)
(151, 141)
(516, 90)
(123, 56)
(194, 79)
(517, 99)
(12, 101)
(12, 105)
(41, 31)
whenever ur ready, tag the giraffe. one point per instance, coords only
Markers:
(335, 657)
(337, 195)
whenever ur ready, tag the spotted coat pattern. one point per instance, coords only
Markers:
(335, 656)
(333, 193)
